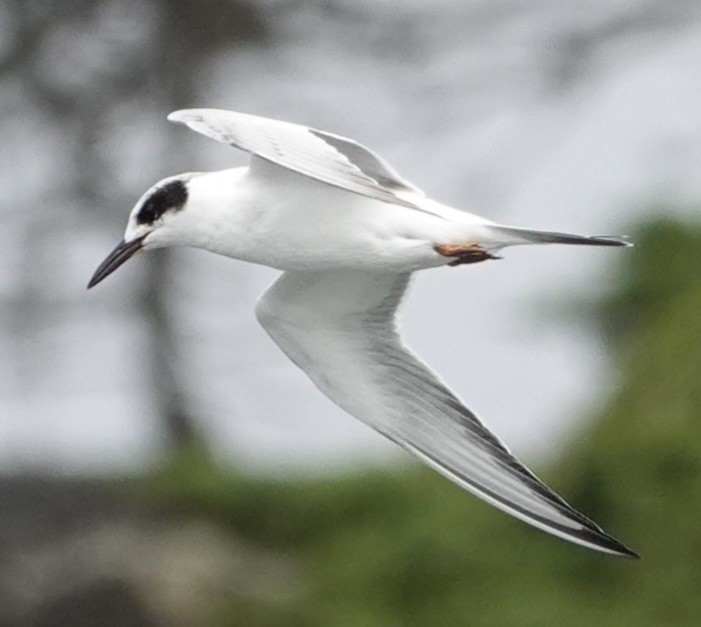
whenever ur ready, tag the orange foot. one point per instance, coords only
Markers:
(464, 253)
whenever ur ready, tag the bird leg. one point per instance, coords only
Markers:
(464, 253)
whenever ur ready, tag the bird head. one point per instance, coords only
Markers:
(154, 222)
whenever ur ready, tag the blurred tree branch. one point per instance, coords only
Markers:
(153, 52)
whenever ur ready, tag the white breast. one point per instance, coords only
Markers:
(282, 219)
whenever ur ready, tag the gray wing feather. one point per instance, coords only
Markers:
(339, 328)
(328, 158)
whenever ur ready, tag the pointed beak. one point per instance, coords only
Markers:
(116, 258)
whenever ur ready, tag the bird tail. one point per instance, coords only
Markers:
(528, 236)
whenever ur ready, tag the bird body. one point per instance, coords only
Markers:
(348, 231)
(255, 215)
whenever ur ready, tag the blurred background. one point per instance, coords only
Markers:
(162, 463)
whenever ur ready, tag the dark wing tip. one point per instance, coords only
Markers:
(611, 545)
(629, 553)
(593, 535)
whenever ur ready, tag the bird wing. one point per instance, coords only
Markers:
(326, 157)
(339, 327)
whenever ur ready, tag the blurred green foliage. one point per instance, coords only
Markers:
(404, 547)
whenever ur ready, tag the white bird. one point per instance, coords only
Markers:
(348, 231)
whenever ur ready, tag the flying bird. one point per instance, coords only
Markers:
(348, 232)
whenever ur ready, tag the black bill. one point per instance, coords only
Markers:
(116, 258)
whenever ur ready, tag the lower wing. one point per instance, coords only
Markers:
(339, 327)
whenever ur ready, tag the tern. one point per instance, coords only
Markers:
(348, 232)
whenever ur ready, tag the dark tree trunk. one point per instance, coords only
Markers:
(168, 389)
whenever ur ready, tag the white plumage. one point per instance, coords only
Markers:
(348, 231)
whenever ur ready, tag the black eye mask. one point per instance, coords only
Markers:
(171, 197)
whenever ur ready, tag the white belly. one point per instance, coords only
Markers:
(292, 222)
(330, 228)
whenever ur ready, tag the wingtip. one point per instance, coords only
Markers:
(630, 554)
(186, 116)
(617, 548)
(179, 116)
(595, 537)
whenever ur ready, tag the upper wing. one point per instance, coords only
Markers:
(322, 156)
(338, 326)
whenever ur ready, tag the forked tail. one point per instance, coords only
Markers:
(528, 236)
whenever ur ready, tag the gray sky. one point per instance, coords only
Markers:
(544, 115)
